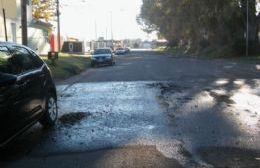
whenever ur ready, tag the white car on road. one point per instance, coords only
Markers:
(120, 51)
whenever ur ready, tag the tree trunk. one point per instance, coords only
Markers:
(252, 24)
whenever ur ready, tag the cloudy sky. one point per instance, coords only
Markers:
(88, 19)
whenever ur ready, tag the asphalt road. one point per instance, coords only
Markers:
(150, 110)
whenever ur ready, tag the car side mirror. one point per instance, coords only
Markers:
(7, 79)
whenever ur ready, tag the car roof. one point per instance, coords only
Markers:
(9, 44)
(103, 49)
(3, 43)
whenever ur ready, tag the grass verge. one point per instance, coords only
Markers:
(67, 65)
(211, 53)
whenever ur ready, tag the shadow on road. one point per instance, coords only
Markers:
(230, 157)
(23, 146)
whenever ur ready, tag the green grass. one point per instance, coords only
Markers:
(174, 51)
(215, 52)
(211, 53)
(226, 53)
(250, 59)
(67, 65)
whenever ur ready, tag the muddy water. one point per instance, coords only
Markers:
(178, 120)
(118, 114)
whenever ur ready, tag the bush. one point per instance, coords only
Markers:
(204, 43)
(239, 47)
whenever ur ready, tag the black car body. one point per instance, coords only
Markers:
(102, 56)
(27, 91)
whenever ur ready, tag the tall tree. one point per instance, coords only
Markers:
(200, 23)
(252, 23)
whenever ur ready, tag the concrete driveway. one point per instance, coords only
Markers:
(150, 110)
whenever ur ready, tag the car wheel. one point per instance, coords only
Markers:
(51, 112)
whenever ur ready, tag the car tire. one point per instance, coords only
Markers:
(51, 112)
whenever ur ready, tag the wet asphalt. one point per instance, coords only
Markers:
(150, 110)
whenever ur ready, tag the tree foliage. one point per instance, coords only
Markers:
(43, 9)
(201, 23)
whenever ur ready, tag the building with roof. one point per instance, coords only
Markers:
(38, 31)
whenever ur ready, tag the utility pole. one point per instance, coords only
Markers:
(106, 33)
(58, 23)
(111, 24)
(247, 27)
(96, 31)
(6, 38)
(24, 22)
(106, 36)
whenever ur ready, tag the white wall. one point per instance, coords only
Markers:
(36, 37)
(13, 17)
(38, 40)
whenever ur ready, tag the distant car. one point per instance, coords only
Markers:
(27, 92)
(120, 51)
(102, 56)
(127, 50)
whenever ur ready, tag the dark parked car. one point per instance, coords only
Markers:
(102, 56)
(27, 92)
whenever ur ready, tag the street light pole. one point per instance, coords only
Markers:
(247, 27)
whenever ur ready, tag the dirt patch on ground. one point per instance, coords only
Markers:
(230, 157)
(73, 118)
(168, 87)
(66, 95)
(221, 98)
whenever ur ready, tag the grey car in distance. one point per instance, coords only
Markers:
(102, 56)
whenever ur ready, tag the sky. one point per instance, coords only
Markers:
(90, 19)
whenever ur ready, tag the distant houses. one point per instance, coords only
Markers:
(38, 31)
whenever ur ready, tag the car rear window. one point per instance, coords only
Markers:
(102, 51)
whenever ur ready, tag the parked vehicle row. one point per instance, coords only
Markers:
(105, 56)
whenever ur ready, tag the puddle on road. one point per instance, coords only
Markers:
(73, 118)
